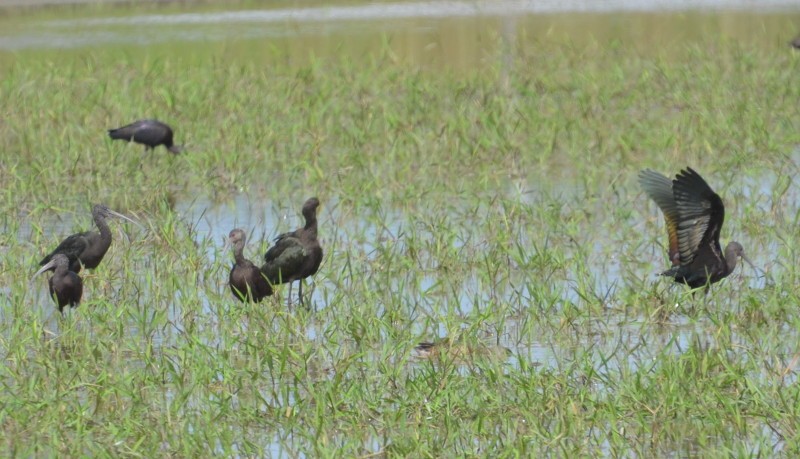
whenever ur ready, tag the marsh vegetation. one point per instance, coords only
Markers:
(478, 183)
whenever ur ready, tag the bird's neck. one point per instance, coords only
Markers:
(60, 271)
(238, 253)
(311, 225)
(102, 225)
(730, 259)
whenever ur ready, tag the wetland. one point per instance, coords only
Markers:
(477, 171)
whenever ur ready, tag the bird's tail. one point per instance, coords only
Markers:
(119, 134)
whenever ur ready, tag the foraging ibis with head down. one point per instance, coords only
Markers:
(150, 133)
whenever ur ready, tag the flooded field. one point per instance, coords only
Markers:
(476, 164)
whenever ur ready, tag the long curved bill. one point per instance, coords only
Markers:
(744, 257)
(755, 268)
(50, 265)
(762, 274)
(119, 215)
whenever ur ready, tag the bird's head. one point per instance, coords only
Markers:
(100, 209)
(57, 262)
(733, 251)
(237, 236)
(310, 207)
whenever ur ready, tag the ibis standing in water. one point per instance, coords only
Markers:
(87, 248)
(150, 133)
(296, 254)
(694, 215)
(66, 286)
(247, 281)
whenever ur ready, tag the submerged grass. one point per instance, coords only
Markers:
(493, 209)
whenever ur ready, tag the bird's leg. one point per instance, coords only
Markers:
(289, 296)
(301, 293)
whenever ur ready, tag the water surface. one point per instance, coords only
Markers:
(451, 35)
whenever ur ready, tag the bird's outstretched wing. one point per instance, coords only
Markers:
(659, 188)
(701, 214)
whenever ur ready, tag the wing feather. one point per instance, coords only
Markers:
(284, 259)
(659, 189)
(698, 206)
(73, 246)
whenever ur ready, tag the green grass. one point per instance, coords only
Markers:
(455, 205)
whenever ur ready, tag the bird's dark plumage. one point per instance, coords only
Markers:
(150, 133)
(296, 254)
(694, 215)
(285, 259)
(795, 43)
(89, 247)
(66, 287)
(246, 280)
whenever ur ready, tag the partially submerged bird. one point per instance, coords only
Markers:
(89, 247)
(66, 286)
(296, 254)
(694, 215)
(150, 133)
(246, 280)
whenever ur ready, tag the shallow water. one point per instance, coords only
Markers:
(208, 223)
(450, 34)
(445, 33)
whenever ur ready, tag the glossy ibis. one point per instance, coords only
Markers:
(246, 280)
(150, 133)
(66, 286)
(296, 254)
(88, 248)
(694, 215)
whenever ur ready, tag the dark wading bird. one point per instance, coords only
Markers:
(66, 286)
(246, 280)
(150, 133)
(88, 248)
(694, 216)
(795, 43)
(296, 254)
